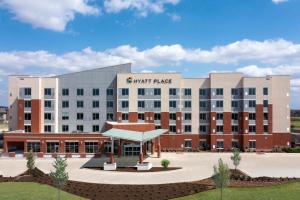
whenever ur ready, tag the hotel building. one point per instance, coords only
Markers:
(67, 113)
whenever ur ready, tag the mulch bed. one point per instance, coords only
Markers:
(139, 192)
(134, 169)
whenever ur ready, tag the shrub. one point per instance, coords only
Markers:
(236, 158)
(30, 161)
(165, 163)
(291, 150)
(221, 176)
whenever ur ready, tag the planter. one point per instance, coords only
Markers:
(11, 154)
(109, 166)
(40, 154)
(144, 166)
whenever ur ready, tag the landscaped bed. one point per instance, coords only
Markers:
(134, 169)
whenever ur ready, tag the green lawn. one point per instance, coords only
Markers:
(289, 191)
(31, 191)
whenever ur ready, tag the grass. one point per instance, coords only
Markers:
(290, 191)
(295, 123)
(31, 191)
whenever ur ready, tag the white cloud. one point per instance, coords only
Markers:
(48, 14)
(141, 7)
(295, 83)
(174, 17)
(254, 70)
(279, 1)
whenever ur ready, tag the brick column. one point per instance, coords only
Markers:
(178, 122)
(25, 146)
(5, 147)
(20, 119)
(259, 119)
(43, 146)
(62, 146)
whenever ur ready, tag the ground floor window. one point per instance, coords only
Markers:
(202, 144)
(172, 129)
(131, 150)
(71, 147)
(235, 144)
(33, 146)
(52, 147)
(187, 143)
(107, 147)
(252, 144)
(91, 147)
(220, 144)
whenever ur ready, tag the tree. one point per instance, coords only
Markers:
(59, 175)
(30, 161)
(221, 176)
(236, 157)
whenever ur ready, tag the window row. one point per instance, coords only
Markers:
(81, 92)
(94, 104)
(69, 147)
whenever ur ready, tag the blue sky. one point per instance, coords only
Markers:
(195, 37)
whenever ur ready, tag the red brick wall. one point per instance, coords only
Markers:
(164, 117)
(132, 117)
(259, 119)
(227, 122)
(177, 141)
(149, 116)
(282, 139)
(20, 124)
(244, 122)
(36, 116)
(132, 127)
(270, 118)
(119, 117)
(213, 122)
(179, 122)
(263, 142)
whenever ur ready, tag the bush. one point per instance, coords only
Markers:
(291, 150)
(165, 163)
(30, 161)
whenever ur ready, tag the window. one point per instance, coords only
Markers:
(96, 128)
(79, 128)
(91, 147)
(27, 129)
(187, 92)
(234, 104)
(172, 129)
(202, 116)
(219, 116)
(252, 91)
(252, 104)
(234, 144)
(187, 143)
(79, 116)
(125, 104)
(187, 116)
(265, 91)
(234, 129)
(202, 104)
(187, 128)
(65, 104)
(252, 116)
(110, 116)
(158, 127)
(33, 146)
(220, 144)
(265, 116)
(27, 91)
(141, 104)
(252, 144)
(202, 129)
(157, 104)
(65, 92)
(234, 91)
(141, 116)
(157, 91)
(141, 91)
(110, 104)
(47, 128)
(27, 116)
(202, 92)
(219, 129)
(96, 92)
(172, 116)
(187, 104)
(124, 116)
(125, 91)
(266, 128)
(219, 91)
(47, 91)
(156, 116)
(65, 128)
(65, 116)
(252, 129)
(96, 116)
(80, 104)
(27, 104)
(234, 116)
(265, 103)
(95, 104)
(172, 104)
(219, 104)
(80, 92)
(202, 144)
(47, 104)
(71, 147)
(52, 147)
(110, 92)
(172, 91)
(47, 116)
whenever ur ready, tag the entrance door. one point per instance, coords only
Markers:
(131, 150)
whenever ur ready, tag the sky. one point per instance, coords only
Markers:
(193, 37)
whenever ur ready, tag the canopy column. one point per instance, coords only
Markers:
(141, 158)
(158, 147)
(112, 157)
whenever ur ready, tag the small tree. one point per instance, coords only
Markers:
(221, 176)
(59, 175)
(30, 161)
(236, 157)
(165, 163)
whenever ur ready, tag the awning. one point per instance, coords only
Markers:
(134, 135)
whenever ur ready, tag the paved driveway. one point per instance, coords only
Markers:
(195, 166)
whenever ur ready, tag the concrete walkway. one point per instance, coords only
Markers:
(195, 166)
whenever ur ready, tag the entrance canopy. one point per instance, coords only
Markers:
(134, 135)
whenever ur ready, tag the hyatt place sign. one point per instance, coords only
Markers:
(148, 81)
